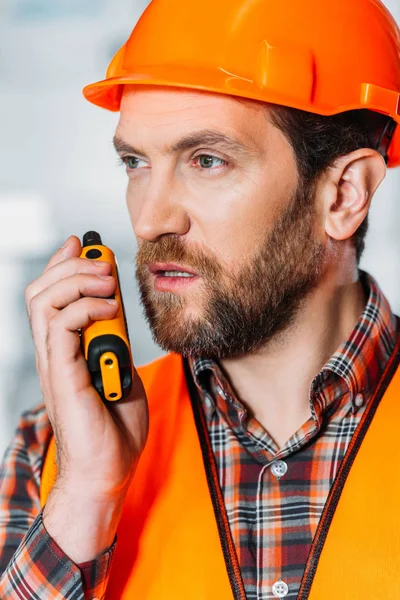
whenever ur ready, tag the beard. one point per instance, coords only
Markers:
(240, 313)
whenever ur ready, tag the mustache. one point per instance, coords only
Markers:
(173, 249)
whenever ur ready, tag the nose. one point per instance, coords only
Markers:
(157, 208)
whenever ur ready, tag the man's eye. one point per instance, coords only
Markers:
(206, 161)
(133, 162)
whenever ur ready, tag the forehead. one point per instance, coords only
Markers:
(172, 112)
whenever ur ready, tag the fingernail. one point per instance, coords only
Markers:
(106, 277)
(113, 302)
(66, 243)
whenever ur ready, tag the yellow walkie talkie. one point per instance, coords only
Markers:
(105, 344)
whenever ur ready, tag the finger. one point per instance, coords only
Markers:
(69, 376)
(72, 247)
(46, 305)
(60, 271)
(63, 328)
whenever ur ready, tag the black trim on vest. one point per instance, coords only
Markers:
(341, 477)
(228, 548)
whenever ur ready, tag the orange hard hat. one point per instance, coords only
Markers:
(321, 56)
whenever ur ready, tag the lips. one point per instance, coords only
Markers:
(169, 270)
(173, 277)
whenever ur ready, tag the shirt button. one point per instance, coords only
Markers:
(359, 400)
(280, 589)
(279, 468)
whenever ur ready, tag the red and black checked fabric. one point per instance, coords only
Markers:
(275, 496)
(32, 565)
(272, 520)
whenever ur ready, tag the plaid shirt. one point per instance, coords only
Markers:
(274, 497)
(32, 565)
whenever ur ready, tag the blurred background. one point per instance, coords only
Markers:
(60, 174)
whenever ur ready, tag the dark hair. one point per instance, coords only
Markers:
(318, 141)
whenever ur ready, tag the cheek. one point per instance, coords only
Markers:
(234, 221)
(236, 236)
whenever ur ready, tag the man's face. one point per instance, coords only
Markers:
(227, 249)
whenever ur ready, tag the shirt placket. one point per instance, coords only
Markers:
(270, 577)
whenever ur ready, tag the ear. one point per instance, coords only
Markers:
(352, 182)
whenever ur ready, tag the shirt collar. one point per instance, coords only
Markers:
(361, 359)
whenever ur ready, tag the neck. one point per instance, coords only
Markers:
(274, 384)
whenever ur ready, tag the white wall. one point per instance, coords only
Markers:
(59, 172)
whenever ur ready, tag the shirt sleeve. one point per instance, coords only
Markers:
(32, 565)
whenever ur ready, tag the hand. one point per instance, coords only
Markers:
(98, 445)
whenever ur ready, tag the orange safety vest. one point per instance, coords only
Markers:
(174, 541)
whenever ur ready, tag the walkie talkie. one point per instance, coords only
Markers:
(106, 344)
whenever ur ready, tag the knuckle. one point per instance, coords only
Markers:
(35, 304)
(28, 293)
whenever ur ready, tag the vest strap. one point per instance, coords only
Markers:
(228, 548)
(358, 533)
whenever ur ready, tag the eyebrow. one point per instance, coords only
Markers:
(200, 138)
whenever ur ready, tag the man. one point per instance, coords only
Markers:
(254, 138)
